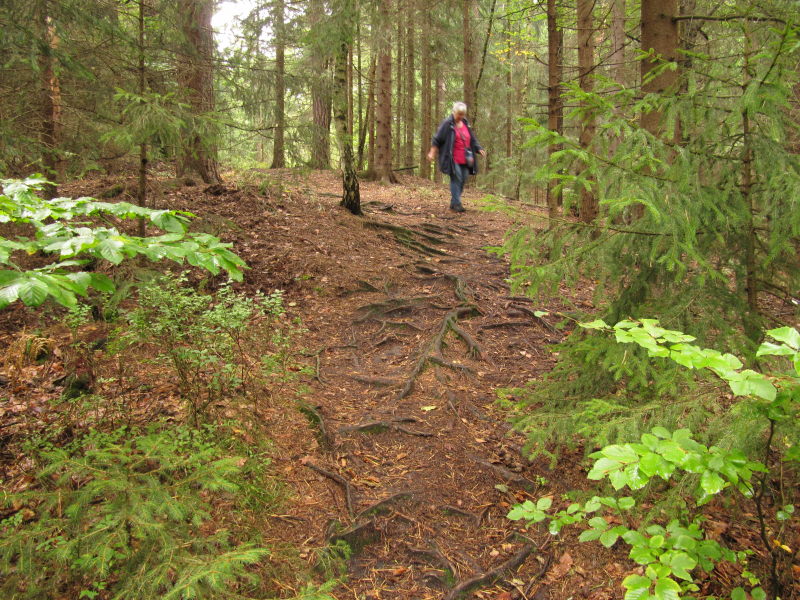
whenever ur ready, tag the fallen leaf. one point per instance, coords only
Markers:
(429, 408)
(560, 569)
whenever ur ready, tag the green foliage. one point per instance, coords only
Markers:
(131, 514)
(681, 236)
(670, 553)
(59, 232)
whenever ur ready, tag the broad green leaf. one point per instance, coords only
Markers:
(544, 503)
(636, 582)
(603, 467)
(609, 538)
(598, 523)
(787, 335)
(681, 564)
(33, 292)
(622, 453)
(661, 433)
(758, 594)
(667, 589)
(738, 594)
(597, 324)
(711, 483)
(589, 535)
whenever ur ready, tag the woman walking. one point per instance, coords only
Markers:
(456, 145)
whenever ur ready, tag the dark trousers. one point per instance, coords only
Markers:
(457, 181)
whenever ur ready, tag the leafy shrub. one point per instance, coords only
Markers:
(128, 513)
(74, 243)
(670, 553)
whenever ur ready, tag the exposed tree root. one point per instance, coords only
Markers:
(320, 430)
(433, 352)
(408, 237)
(384, 506)
(391, 306)
(532, 314)
(348, 489)
(490, 577)
(508, 475)
(363, 287)
(381, 426)
(376, 381)
(454, 510)
(462, 290)
(505, 324)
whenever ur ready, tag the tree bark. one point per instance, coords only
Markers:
(383, 112)
(411, 88)
(426, 124)
(368, 127)
(617, 58)
(588, 209)
(659, 35)
(469, 10)
(49, 95)
(555, 107)
(320, 94)
(141, 187)
(342, 101)
(195, 76)
(278, 153)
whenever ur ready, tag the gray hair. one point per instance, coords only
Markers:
(459, 108)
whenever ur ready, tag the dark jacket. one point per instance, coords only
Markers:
(445, 139)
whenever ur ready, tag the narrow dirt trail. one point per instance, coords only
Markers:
(411, 329)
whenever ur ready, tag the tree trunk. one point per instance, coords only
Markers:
(555, 107)
(617, 57)
(399, 109)
(367, 127)
(320, 95)
(469, 9)
(49, 95)
(141, 188)
(195, 76)
(659, 35)
(383, 112)
(278, 154)
(588, 202)
(351, 197)
(426, 124)
(440, 91)
(411, 88)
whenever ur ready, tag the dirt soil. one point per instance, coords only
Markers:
(411, 329)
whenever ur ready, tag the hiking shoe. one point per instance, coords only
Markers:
(459, 208)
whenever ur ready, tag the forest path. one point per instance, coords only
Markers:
(411, 329)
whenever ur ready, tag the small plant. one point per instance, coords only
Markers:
(127, 514)
(217, 346)
(670, 553)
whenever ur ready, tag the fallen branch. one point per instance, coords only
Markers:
(490, 577)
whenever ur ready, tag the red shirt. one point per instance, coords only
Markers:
(462, 142)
